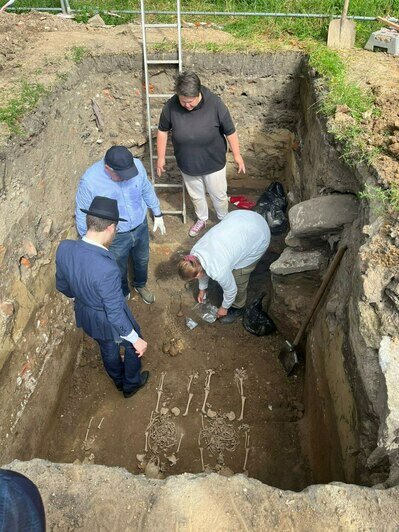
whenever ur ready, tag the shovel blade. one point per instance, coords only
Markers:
(341, 34)
(288, 357)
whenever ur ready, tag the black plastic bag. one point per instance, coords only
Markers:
(272, 205)
(256, 321)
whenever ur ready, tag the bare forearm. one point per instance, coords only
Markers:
(162, 139)
(234, 143)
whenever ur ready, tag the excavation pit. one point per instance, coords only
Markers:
(303, 429)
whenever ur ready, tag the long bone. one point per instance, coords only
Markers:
(239, 376)
(160, 390)
(201, 450)
(209, 373)
(243, 398)
(178, 447)
(247, 448)
(190, 396)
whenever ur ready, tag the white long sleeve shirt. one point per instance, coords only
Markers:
(240, 239)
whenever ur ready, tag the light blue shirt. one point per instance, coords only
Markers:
(133, 196)
(240, 239)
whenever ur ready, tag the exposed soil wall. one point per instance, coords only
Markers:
(345, 386)
(100, 498)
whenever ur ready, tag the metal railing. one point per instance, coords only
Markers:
(66, 9)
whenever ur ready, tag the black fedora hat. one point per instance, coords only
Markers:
(120, 159)
(102, 207)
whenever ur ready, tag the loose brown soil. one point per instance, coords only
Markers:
(273, 406)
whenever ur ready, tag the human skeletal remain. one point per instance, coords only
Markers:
(190, 396)
(160, 390)
(209, 373)
(244, 467)
(242, 408)
(201, 450)
(178, 447)
(240, 376)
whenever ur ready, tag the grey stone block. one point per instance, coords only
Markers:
(291, 261)
(321, 215)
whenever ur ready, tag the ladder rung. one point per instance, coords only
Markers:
(166, 157)
(160, 25)
(162, 61)
(168, 185)
(161, 95)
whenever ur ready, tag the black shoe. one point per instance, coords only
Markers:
(144, 379)
(119, 387)
(232, 315)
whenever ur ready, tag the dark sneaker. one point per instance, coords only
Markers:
(232, 315)
(144, 379)
(146, 295)
(197, 228)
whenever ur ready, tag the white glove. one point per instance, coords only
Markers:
(159, 224)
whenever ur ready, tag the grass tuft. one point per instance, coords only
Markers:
(16, 108)
(78, 53)
(383, 201)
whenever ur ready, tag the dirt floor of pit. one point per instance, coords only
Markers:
(273, 407)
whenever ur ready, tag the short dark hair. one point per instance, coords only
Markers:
(188, 84)
(98, 224)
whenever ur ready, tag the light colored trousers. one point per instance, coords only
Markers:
(241, 278)
(216, 186)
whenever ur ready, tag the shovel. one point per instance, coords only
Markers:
(341, 32)
(288, 355)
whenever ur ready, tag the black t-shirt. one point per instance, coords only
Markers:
(198, 136)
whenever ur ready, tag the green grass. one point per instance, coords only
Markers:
(382, 201)
(17, 107)
(78, 53)
(338, 91)
(243, 26)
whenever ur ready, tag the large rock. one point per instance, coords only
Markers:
(93, 497)
(322, 215)
(291, 261)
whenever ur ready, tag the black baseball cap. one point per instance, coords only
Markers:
(120, 159)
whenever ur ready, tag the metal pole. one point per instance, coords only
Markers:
(208, 13)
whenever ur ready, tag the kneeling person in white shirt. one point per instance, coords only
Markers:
(228, 253)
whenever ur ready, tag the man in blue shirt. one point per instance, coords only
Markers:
(122, 177)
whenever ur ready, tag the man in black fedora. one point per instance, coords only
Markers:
(122, 177)
(88, 272)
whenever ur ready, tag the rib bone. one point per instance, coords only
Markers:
(190, 396)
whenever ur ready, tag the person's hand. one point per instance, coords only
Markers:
(201, 296)
(221, 312)
(160, 166)
(240, 163)
(159, 224)
(140, 346)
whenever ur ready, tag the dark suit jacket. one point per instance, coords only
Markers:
(91, 275)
